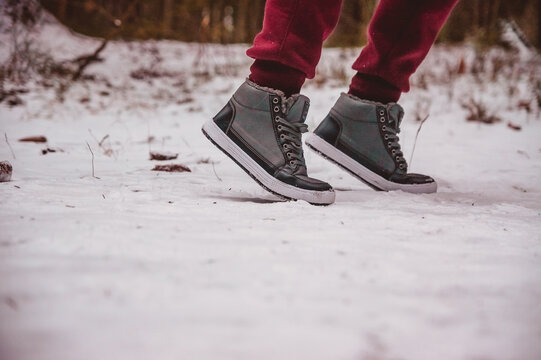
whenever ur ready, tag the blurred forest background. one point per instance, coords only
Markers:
(237, 21)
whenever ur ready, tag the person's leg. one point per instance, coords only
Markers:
(361, 131)
(288, 48)
(261, 126)
(400, 35)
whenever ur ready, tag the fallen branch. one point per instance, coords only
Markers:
(86, 60)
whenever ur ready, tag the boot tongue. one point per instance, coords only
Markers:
(396, 113)
(296, 108)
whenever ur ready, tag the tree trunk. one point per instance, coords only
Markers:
(538, 23)
(62, 6)
(257, 7)
(167, 17)
(241, 23)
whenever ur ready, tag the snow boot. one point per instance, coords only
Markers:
(261, 130)
(362, 137)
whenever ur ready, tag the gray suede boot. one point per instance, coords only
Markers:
(261, 129)
(362, 137)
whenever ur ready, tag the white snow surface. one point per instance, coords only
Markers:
(136, 264)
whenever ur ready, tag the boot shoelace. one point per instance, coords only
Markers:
(290, 136)
(392, 141)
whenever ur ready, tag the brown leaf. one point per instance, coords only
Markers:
(162, 156)
(172, 168)
(515, 127)
(35, 139)
(48, 150)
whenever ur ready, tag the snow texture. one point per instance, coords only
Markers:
(136, 264)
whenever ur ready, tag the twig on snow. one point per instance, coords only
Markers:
(91, 152)
(102, 140)
(149, 139)
(107, 150)
(9, 145)
(215, 173)
(416, 136)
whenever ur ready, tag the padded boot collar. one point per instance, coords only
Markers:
(287, 102)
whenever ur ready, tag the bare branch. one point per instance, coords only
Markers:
(86, 60)
(215, 173)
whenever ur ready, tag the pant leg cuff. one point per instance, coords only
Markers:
(374, 88)
(275, 75)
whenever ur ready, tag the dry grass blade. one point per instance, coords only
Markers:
(92, 153)
(9, 145)
(416, 136)
(215, 173)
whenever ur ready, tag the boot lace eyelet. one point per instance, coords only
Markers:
(389, 144)
(282, 136)
(275, 100)
(279, 127)
(285, 146)
(381, 112)
(384, 128)
(276, 109)
(382, 119)
(292, 163)
(394, 151)
(288, 155)
(401, 166)
(397, 158)
(276, 118)
(386, 137)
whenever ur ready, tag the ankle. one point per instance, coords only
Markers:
(277, 76)
(373, 88)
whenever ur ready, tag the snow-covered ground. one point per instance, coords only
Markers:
(136, 264)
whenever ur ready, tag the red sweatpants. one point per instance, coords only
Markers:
(400, 35)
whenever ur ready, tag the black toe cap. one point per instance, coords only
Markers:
(411, 179)
(303, 182)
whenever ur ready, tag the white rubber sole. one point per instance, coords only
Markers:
(367, 176)
(267, 181)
